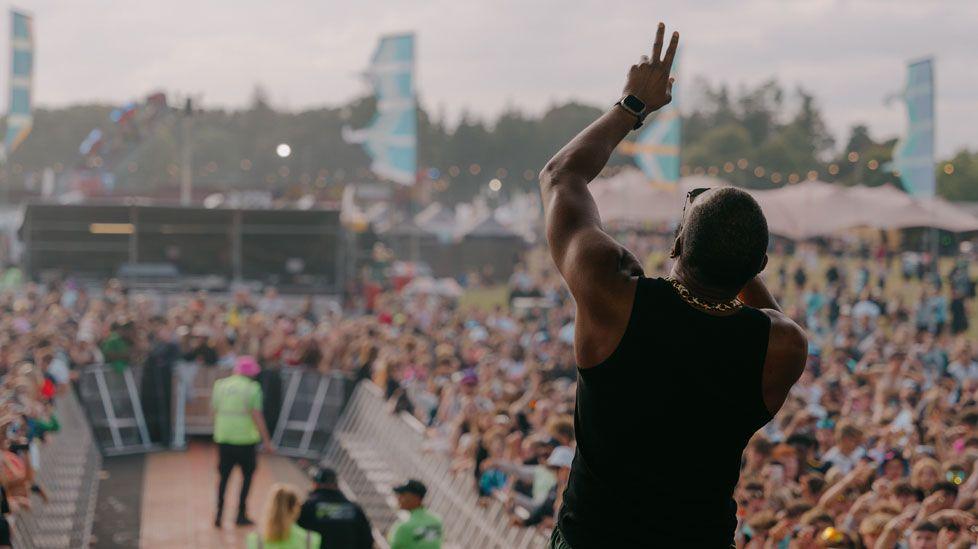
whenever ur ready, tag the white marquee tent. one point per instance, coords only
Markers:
(804, 210)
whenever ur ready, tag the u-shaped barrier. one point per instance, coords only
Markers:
(374, 450)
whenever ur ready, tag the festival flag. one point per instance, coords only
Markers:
(391, 137)
(913, 156)
(19, 119)
(656, 150)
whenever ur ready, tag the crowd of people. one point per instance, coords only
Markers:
(875, 447)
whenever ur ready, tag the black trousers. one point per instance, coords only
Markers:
(245, 457)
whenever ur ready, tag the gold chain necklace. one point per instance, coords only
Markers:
(723, 307)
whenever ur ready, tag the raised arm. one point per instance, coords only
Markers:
(598, 271)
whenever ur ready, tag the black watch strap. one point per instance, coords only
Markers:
(635, 107)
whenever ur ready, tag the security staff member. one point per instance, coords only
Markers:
(340, 522)
(238, 428)
(422, 529)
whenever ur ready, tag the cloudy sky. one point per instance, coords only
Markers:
(485, 55)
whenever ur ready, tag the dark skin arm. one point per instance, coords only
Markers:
(599, 272)
(787, 348)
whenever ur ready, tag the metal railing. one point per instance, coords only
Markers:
(70, 464)
(111, 399)
(373, 450)
(310, 410)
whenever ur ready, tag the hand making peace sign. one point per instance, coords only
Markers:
(649, 80)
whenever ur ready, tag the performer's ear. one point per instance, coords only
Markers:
(763, 265)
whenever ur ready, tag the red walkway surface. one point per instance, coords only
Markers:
(180, 493)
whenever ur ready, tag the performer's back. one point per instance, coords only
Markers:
(661, 426)
(668, 394)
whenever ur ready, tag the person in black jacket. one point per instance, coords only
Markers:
(340, 522)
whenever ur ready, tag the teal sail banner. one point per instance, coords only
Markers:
(391, 138)
(913, 156)
(656, 150)
(19, 119)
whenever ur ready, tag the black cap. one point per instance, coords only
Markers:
(412, 486)
(324, 475)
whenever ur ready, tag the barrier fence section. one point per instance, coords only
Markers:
(69, 466)
(111, 399)
(374, 450)
(311, 407)
(192, 386)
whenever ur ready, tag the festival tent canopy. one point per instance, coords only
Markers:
(804, 210)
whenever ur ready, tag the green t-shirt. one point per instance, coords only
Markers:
(233, 399)
(114, 348)
(297, 539)
(422, 530)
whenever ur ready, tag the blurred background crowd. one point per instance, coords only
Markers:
(878, 441)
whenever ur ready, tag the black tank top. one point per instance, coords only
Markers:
(662, 425)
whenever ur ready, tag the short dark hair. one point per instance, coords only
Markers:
(725, 238)
(926, 526)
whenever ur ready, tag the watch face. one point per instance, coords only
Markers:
(633, 103)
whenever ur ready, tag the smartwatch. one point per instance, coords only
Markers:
(634, 106)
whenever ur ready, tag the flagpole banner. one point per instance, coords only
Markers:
(656, 150)
(391, 138)
(913, 156)
(19, 119)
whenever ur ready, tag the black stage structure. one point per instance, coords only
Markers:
(288, 247)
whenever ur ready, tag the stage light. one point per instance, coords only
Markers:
(759, 171)
(949, 168)
(495, 185)
(793, 178)
(873, 164)
(853, 156)
(474, 169)
(728, 167)
(776, 177)
(111, 228)
(283, 150)
(834, 169)
(742, 163)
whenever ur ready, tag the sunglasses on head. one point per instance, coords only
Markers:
(690, 197)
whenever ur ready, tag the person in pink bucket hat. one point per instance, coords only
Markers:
(246, 366)
(238, 428)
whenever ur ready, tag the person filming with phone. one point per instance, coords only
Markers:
(699, 360)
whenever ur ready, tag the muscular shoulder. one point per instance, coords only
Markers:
(787, 354)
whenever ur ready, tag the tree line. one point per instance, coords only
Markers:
(758, 137)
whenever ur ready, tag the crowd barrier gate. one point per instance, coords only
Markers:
(374, 450)
(111, 399)
(192, 387)
(311, 407)
(70, 464)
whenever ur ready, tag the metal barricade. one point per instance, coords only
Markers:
(70, 464)
(373, 450)
(192, 387)
(311, 407)
(113, 406)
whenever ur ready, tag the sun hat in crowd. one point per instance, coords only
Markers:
(246, 366)
(562, 456)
